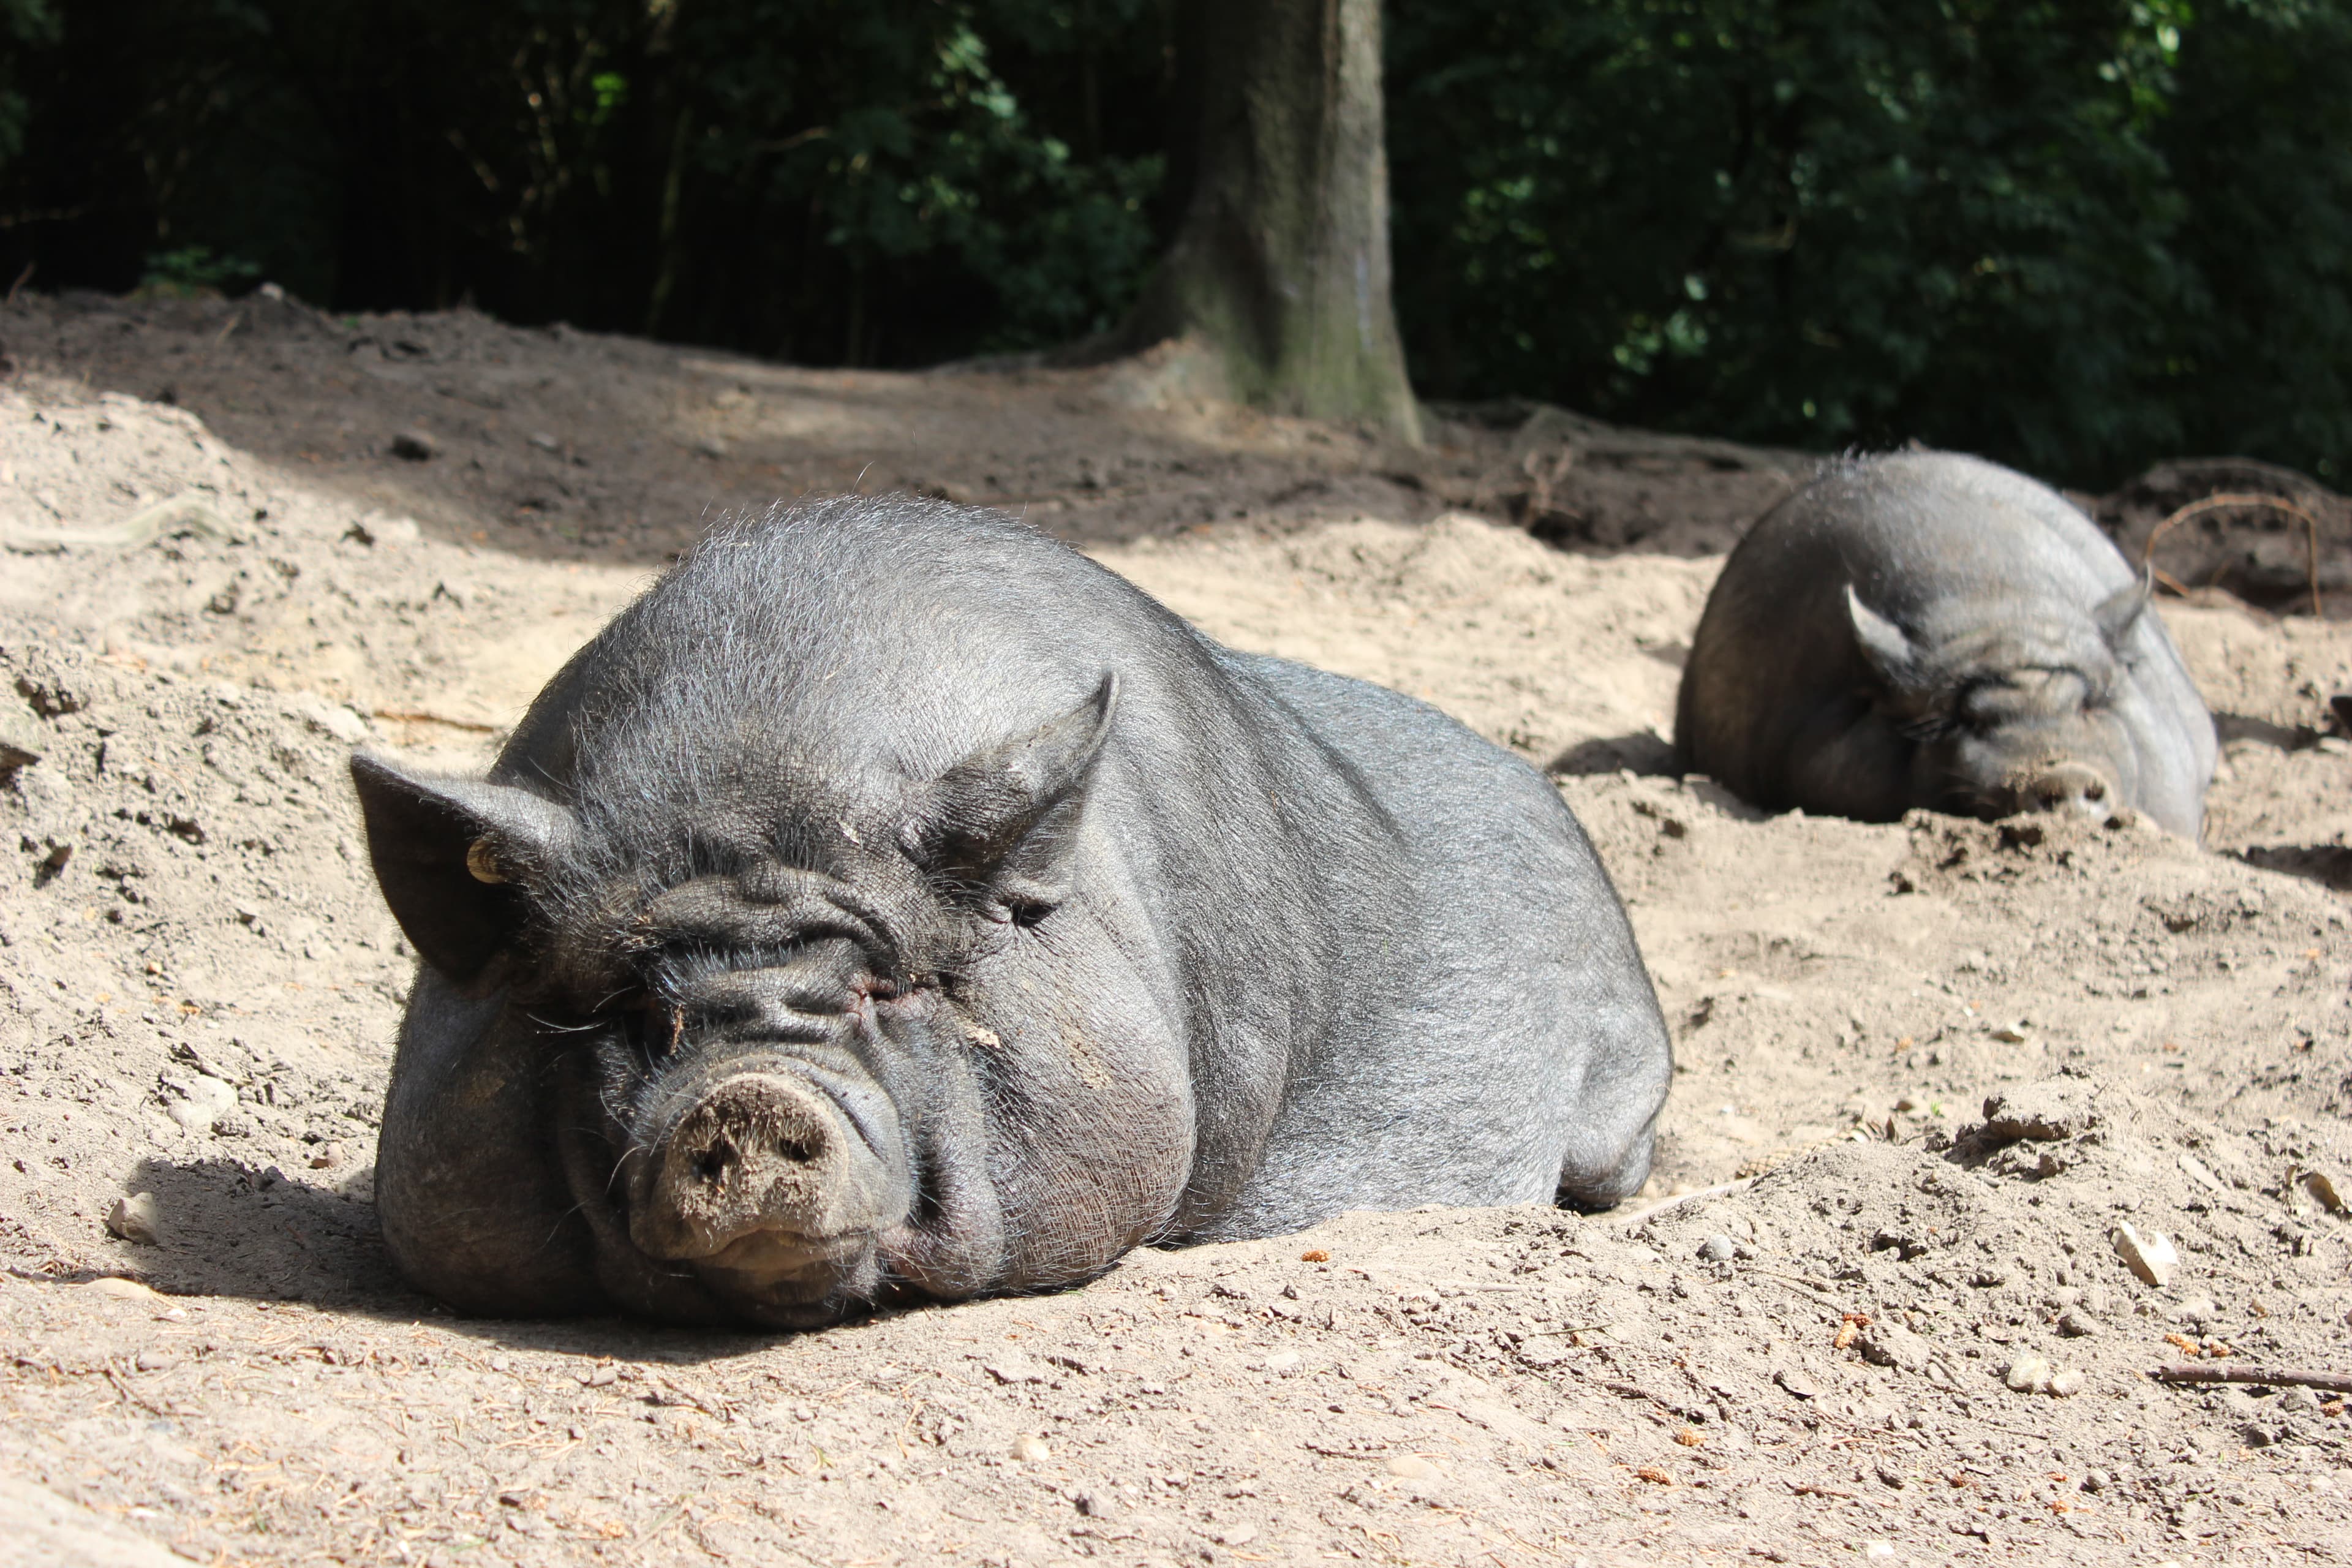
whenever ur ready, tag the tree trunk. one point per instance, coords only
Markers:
(1281, 265)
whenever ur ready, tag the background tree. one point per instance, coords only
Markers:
(2074, 235)
(1281, 266)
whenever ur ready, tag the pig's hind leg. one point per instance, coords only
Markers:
(469, 1188)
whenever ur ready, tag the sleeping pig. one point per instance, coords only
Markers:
(893, 903)
(1926, 629)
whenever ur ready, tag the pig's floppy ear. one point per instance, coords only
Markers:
(2121, 610)
(1000, 823)
(1882, 643)
(456, 859)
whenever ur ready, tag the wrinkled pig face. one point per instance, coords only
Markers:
(2010, 719)
(764, 1092)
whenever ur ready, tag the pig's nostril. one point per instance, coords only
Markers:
(2094, 790)
(795, 1150)
(711, 1165)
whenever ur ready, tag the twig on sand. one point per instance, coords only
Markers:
(2279, 1377)
(1720, 1190)
(418, 716)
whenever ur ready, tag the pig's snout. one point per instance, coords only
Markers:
(2066, 786)
(763, 1163)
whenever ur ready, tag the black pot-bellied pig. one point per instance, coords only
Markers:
(893, 903)
(1926, 629)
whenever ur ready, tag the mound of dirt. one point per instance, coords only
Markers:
(1935, 1078)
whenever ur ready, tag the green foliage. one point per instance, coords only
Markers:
(194, 270)
(24, 27)
(2073, 234)
(2017, 226)
(818, 179)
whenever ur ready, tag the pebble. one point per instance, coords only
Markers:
(196, 1100)
(1718, 1248)
(2095, 1481)
(1016, 1368)
(414, 446)
(2077, 1324)
(2028, 1373)
(2046, 1112)
(1878, 1549)
(2298, 1402)
(137, 1218)
(2151, 1257)
(1239, 1535)
(1283, 1361)
(1410, 1467)
(122, 1289)
(1029, 1450)
(2065, 1385)
(1891, 1344)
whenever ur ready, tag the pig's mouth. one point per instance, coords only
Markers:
(792, 1282)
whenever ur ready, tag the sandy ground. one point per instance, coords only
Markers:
(1957, 1056)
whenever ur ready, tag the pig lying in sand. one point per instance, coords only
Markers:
(893, 903)
(1932, 630)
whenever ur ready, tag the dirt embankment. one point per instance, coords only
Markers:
(1914, 1336)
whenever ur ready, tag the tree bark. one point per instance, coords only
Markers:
(1281, 264)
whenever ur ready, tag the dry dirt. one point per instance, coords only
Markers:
(1911, 1338)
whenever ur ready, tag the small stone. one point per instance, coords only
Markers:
(2046, 1112)
(1013, 1369)
(1797, 1383)
(1877, 1549)
(137, 1218)
(1283, 1361)
(2077, 1324)
(543, 441)
(1718, 1248)
(2198, 1171)
(2065, 1385)
(196, 1100)
(1889, 1476)
(1029, 1450)
(1238, 1535)
(711, 447)
(1891, 1344)
(2151, 1257)
(2096, 1480)
(1093, 1504)
(326, 1156)
(122, 1289)
(1410, 1467)
(2028, 1374)
(2197, 1312)
(2298, 1401)
(414, 446)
